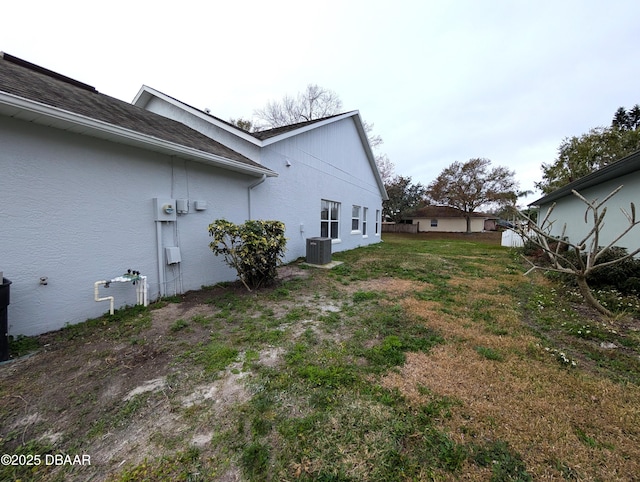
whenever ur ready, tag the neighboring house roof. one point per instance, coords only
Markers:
(269, 136)
(443, 212)
(624, 166)
(35, 94)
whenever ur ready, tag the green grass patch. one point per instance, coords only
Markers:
(178, 325)
(23, 345)
(490, 353)
(214, 356)
(504, 462)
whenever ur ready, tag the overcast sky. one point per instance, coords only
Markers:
(441, 81)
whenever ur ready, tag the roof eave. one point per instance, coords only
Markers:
(39, 113)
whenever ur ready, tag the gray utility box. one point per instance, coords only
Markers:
(318, 250)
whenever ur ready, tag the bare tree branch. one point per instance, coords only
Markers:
(586, 259)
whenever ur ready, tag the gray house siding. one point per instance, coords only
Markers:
(77, 210)
(325, 163)
(570, 210)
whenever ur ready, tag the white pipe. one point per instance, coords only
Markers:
(97, 298)
(145, 292)
(141, 291)
(255, 184)
(160, 257)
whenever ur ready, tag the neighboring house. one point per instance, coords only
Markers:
(84, 179)
(570, 211)
(446, 219)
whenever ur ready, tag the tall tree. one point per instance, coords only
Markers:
(579, 156)
(386, 168)
(314, 103)
(404, 196)
(621, 119)
(634, 116)
(625, 119)
(473, 184)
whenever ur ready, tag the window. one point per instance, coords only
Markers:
(377, 222)
(355, 218)
(434, 223)
(329, 219)
(364, 221)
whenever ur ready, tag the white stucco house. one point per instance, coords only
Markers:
(447, 219)
(569, 210)
(91, 186)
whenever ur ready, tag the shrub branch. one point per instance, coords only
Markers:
(588, 251)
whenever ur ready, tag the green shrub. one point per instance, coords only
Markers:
(623, 276)
(254, 249)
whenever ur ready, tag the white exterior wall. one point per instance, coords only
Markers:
(449, 225)
(77, 210)
(328, 163)
(571, 210)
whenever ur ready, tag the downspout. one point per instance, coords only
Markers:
(160, 259)
(255, 184)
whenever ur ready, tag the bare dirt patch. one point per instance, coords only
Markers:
(392, 286)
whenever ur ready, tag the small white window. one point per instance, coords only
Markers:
(355, 219)
(434, 223)
(377, 222)
(364, 221)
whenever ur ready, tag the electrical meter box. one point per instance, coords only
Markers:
(164, 209)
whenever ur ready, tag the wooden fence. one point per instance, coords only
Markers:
(399, 228)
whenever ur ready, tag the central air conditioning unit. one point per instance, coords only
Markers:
(318, 250)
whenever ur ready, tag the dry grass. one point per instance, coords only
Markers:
(562, 421)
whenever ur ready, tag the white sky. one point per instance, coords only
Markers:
(441, 81)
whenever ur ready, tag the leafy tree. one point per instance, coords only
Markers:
(579, 156)
(404, 196)
(470, 185)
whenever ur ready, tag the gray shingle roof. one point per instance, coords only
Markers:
(433, 211)
(276, 131)
(34, 83)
